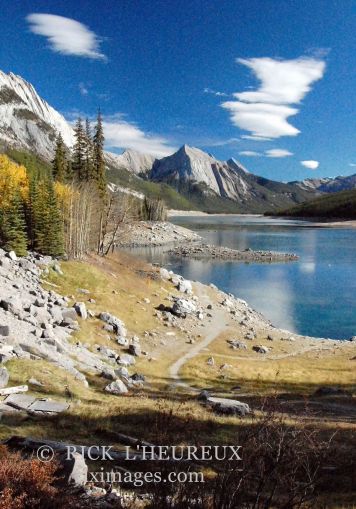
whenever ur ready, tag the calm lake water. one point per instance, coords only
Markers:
(314, 296)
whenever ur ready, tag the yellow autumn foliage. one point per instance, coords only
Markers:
(13, 178)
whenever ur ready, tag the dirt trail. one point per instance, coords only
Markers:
(217, 325)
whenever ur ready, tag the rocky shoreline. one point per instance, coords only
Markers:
(203, 251)
(153, 233)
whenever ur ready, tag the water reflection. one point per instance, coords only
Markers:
(314, 296)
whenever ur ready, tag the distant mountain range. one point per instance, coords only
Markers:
(189, 178)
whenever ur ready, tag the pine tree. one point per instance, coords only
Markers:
(60, 162)
(13, 226)
(78, 162)
(99, 162)
(54, 242)
(89, 152)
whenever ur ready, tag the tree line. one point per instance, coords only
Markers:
(67, 209)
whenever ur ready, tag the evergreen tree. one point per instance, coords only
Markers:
(99, 162)
(89, 152)
(60, 162)
(54, 242)
(78, 162)
(47, 234)
(13, 226)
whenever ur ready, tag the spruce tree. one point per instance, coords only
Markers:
(99, 162)
(13, 226)
(54, 241)
(89, 152)
(60, 163)
(78, 162)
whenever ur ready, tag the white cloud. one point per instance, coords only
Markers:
(265, 111)
(66, 35)
(262, 120)
(122, 134)
(352, 164)
(255, 138)
(214, 92)
(312, 165)
(278, 152)
(83, 89)
(250, 153)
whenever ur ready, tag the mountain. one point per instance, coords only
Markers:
(26, 120)
(223, 185)
(329, 185)
(132, 160)
(341, 205)
(189, 178)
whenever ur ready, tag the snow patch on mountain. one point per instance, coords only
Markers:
(26, 120)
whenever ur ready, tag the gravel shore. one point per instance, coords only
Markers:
(202, 251)
(153, 233)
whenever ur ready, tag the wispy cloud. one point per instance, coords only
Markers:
(272, 152)
(264, 112)
(352, 164)
(250, 153)
(215, 92)
(278, 152)
(122, 134)
(66, 36)
(83, 89)
(312, 165)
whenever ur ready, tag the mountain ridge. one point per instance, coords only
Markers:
(29, 123)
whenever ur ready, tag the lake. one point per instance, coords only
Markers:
(314, 296)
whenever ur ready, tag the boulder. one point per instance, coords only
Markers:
(12, 255)
(4, 330)
(135, 349)
(81, 310)
(76, 470)
(228, 406)
(183, 307)
(12, 304)
(126, 360)
(138, 377)
(210, 361)
(69, 315)
(116, 387)
(4, 377)
(122, 372)
(108, 373)
(185, 286)
(119, 326)
(57, 268)
(164, 273)
(203, 395)
(236, 344)
(260, 349)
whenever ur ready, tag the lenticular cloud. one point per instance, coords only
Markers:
(265, 111)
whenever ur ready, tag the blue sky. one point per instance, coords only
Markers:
(269, 82)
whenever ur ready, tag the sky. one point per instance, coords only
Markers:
(269, 82)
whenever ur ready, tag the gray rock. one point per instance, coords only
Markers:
(228, 406)
(236, 344)
(126, 360)
(183, 307)
(210, 361)
(185, 286)
(81, 310)
(12, 255)
(83, 290)
(33, 381)
(135, 349)
(260, 349)
(20, 401)
(4, 330)
(108, 373)
(138, 377)
(164, 273)
(116, 387)
(12, 304)
(78, 470)
(57, 268)
(48, 406)
(69, 314)
(203, 396)
(122, 372)
(119, 326)
(4, 377)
